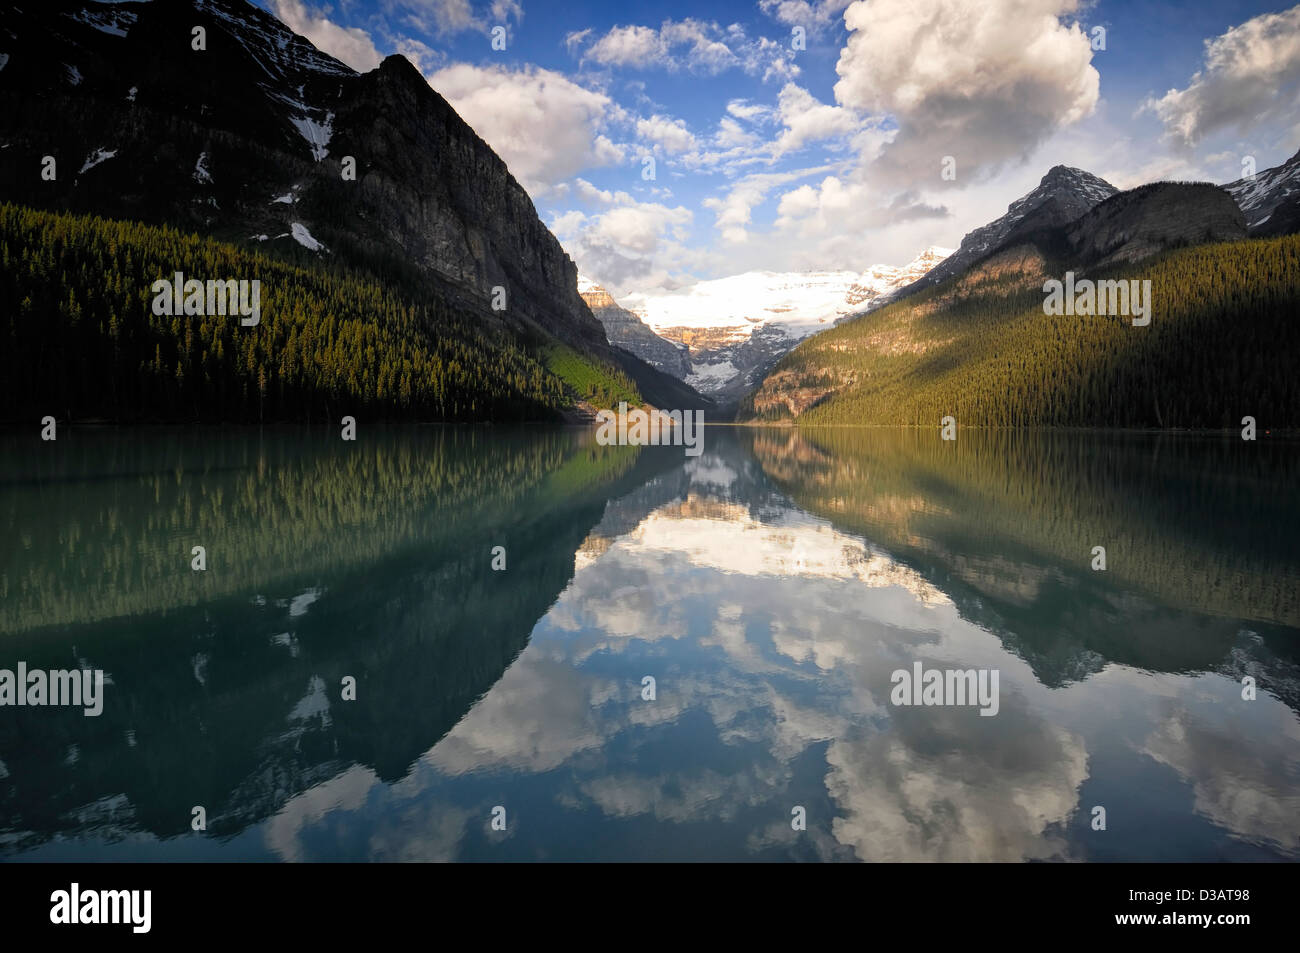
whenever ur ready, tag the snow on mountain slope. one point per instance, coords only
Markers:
(738, 305)
(736, 327)
(798, 303)
(1269, 200)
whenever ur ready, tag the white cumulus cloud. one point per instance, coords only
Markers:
(546, 127)
(665, 135)
(985, 81)
(1251, 76)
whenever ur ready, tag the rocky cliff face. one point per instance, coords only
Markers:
(1143, 221)
(624, 329)
(250, 148)
(430, 185)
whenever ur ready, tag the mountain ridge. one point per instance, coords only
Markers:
(983, 347)
(250, 150)
(1063, 194)
(734, 328)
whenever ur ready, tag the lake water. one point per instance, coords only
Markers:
(770, 587)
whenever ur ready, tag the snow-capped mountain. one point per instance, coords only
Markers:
(879, 285)
(1271, 199)
(735, 327)
(1062, 196)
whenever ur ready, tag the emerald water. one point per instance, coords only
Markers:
(770, 587)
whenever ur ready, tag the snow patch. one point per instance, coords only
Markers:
(317, 134)
(96, 157)
(201, 173)
(4, 59)
(299, 604)
(710, 376)
(303, 237)
(288, 198)
(130, 96)
(112, 22)
(74, 74)
(315, 704)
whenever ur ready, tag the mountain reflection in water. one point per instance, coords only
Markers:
(770, 587)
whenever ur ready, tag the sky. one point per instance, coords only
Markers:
(668, 142)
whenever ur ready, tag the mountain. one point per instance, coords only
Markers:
(983, 347)
(1147, 220)
(1062, 196)
(253, 147)
(629, 332)
(879, 283)
(734, 328)
(1271, 200)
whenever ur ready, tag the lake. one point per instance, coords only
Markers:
(674, 658)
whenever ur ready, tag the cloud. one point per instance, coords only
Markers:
(750, 112)
(1250, 77)
(448, 17)
(629, 240)
(733, 212)
(349, 44)
(451, 16)
(983, 80)
(732, 135)
(422, 56)
(546, 127)
(810, 16)
(689, 44)
(820, 210)
(706, 52)
(503, 10)
(573, 41)
(638, 46)
(666, 135)
(807, 120)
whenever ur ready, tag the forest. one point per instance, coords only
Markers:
(1222, 344)
(81, 341)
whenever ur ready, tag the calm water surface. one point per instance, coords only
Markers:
(770, 587)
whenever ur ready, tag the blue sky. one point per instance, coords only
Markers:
(828, 154)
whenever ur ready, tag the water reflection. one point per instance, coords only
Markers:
(769, 587)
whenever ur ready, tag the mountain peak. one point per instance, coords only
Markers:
(397, 64)
(1065, 172)
(1061, 196)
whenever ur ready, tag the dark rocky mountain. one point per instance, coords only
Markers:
(1270, 200)
(629, 332)
(1062, 196)
(1149, 219)
(246, 139)
(1128, 226)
